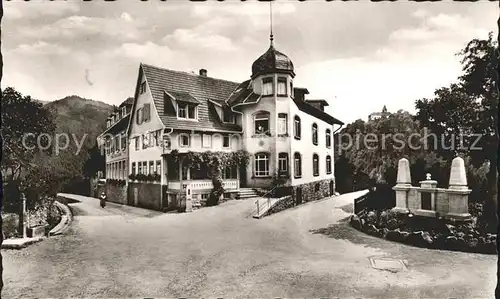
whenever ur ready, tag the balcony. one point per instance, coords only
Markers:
(230, 184)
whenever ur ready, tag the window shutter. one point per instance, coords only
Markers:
(146, 112)
(139, 116)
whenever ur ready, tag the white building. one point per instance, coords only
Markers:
(266, 116)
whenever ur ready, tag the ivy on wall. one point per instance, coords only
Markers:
(214, 162)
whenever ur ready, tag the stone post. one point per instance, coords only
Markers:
(403, 185)
(189, 199)
(24, 217)
(458, 191)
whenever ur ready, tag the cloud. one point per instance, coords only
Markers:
(41, 48)
(242, 9)
(192, 39)
(73, 27)
(35, 9)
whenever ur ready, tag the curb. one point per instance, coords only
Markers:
(66, 219)
(23, 244)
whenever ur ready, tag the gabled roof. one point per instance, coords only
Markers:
(182, 96)
(188, 87)
(128, 102)
(117, 127)
(243, 95)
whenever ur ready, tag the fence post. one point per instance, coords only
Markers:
(257, 203)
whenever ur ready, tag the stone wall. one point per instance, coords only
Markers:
(285, 203)
(149, 195)
(309, 192)
(116, 193)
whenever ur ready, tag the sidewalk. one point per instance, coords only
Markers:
(19, 243)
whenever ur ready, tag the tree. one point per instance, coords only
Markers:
(96, 162)
(22, 115)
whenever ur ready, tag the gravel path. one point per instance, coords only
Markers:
(222, 252)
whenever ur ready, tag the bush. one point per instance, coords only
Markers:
(10, 225)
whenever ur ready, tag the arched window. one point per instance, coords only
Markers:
(261, 164)
(328, 164)
(328, 138)
(296, 127)
(315, 134)
(315, 165)
(261, 123)
(297, 165)
(184, 140)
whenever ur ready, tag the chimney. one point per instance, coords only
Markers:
(203, 72)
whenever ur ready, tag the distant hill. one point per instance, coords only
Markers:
(79, 116)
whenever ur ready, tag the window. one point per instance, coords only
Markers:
(139, 116)
(158, 167)
(184, 172)
(315, 165)
(145, 167)
(296, 127)
(315, 134)
(125, 170)
(225, 141)
(261, 165)
(119, 174)
(139, 165)
(143, 87)
(291, 88)
(261, 123)
(186, 110)
(108, 123)
(151, 167)
(282, 86)
(207, 140)
(328, 138)
(283, 163)
(137, 141)
(204, 196)
(297, 165)
(229, 117)
(117, 143)
(133, 168)
(282, 124)
(267, 87)
(231, 172)
(328, 164)
(182, 110)
(123, 141)
(145, 141)
(184, 140)
(124, 111)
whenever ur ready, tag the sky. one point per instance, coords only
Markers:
(357, 56)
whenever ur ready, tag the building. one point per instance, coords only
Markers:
(175, 114)
(376, 115)
(113, 142)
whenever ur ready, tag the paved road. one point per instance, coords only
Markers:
(221, 252)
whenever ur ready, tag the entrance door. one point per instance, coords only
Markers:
(243, 177)
(298, 196)
(331, 188)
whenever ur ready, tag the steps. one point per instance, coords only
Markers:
(248, 193)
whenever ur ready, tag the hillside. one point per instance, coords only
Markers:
(81, 117)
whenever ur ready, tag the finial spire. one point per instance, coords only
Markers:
(271, 36)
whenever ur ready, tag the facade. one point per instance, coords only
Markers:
(286, 135)
(113, 143)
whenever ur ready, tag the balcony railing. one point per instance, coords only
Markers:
(229, 184)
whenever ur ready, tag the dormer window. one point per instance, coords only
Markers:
(229, 117)
(282, 86)
(108, 123)
(186, 110)
(267, 87)
(143, 87)
(124, 111)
